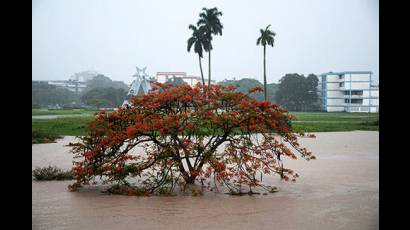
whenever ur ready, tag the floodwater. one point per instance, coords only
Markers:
(339, 190)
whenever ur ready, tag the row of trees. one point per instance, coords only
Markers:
(100, 91)
(209, 25)
(104, 97)
(298, 93)
(294, 92)
(43, 94)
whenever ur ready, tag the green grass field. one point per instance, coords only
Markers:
(40, 112)
(66, 126)
(307, 121)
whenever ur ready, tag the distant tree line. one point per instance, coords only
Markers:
(294, 92)
(43, 94)
(100, 91)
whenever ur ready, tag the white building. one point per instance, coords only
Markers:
(71, 85)
(163, 77)
(350, 91)
(76, 81)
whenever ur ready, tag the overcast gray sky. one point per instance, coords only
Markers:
(112, 37)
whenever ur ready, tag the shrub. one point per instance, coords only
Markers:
(180, 129)
(40, 136)
(51, 173)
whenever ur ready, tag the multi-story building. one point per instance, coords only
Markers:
(349, 91)
(163, 77)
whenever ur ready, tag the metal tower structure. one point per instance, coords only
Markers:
(141, 81)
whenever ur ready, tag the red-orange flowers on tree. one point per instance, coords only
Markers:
(178, 131)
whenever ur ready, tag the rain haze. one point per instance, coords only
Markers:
(113, 37)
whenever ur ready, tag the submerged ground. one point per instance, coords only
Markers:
(339, 190)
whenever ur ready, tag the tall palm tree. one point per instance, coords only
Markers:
(199, 41)
(266, 38)
(209, 19)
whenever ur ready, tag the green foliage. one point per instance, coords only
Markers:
(197, 39)
(266, 38)
(104, 97)
(70, 126)
(243, 85)
(41, 136)
(298, 93)
(177, 81)
(101, 81)
(99, 103)
(43, 94)
(209, 19)
(200, 42)
(51, 173)
(209, 24)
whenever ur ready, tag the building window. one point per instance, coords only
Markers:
(357, 101)
(357, 92)
(354, 101)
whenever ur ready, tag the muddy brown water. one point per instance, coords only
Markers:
(339, 190)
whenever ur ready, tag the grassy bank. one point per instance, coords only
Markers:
(307, 121)
(40, 112)
(40, 136)
(66, 126)
(332, 122)
(345, 117)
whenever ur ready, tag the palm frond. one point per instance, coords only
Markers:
(192, 27)
(190, 41)
(201, 22)
(258, 41)
(271, 33)
(198, 49)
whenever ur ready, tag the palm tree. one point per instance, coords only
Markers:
(198, 40)
(266, 38)
(210, 21)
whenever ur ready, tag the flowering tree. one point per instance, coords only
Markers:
(183, 133)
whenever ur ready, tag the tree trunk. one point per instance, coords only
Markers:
(209, 68)
(190, 180)
(264, 74)
(202, 74)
